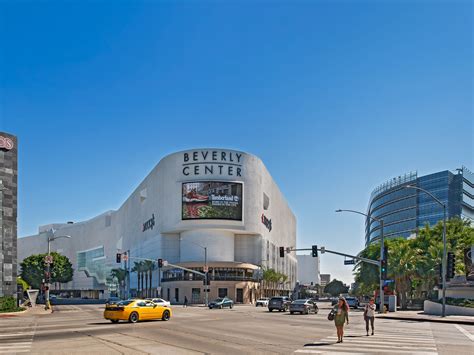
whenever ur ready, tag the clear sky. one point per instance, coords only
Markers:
(335, 97)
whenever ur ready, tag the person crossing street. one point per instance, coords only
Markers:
(369, 315)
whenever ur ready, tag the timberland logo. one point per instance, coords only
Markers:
(6, 143)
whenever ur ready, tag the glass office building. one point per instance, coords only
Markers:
(404, 210)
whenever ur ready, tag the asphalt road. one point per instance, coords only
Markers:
(244, 329)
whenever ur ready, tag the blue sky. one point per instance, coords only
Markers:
(335, 97)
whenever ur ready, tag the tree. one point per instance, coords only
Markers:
(149, 266)
(121, 275)
(33, 268)
(335, 288)
(138, 268)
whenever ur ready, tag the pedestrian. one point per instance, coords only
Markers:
(341, 315)
(185, 305)
(369, 315)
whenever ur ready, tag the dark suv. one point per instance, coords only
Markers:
(282, 303)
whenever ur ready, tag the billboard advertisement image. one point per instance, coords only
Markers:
(212, 200)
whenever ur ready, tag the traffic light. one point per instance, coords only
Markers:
(383, 267)
(450, 265)
(282, 252)
(314, 251)
(118, 258)
(385, 252)
(160, 263)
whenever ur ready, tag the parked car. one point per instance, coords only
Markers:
(160, 301)
(352, 302)
(221, 303)
(112, 300)
(135, 310)
(262, 302)
(304, 306)
(281, 303)
(334, 300)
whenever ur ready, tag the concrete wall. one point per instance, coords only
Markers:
(436, 309)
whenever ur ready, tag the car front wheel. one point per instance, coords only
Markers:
(133, 317)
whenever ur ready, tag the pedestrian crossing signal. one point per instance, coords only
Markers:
(450, 269)
(160, 263)
(119, 258)
(282, 252)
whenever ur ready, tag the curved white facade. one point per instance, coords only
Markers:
(151, 224)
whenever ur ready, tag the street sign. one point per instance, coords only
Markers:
(349, 262)
(48, 259)
(206, 268)
(323, 250)
(165, 263)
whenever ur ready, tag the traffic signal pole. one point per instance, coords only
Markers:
(382, 257)
(324, 250)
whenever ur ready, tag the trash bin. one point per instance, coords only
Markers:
(392, 303)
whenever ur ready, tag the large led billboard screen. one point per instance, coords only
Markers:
(212, 200)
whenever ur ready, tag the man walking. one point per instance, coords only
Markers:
(185, 304)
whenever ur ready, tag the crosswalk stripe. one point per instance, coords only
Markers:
(15, 346)
(16, 334)
(310, 351)
(16, 351)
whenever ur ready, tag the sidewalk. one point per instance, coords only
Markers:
(422, 317)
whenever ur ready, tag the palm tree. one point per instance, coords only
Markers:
(148, 267)
(138, 268)
(120, 274)
(403, 261)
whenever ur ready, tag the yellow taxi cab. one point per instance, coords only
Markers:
(135, 310)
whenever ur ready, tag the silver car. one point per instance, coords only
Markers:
(304, 306)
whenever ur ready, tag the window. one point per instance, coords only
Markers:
(266, 201)
(222, 292)
(141, 304)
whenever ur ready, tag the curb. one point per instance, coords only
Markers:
(435, 320)
(12, 314)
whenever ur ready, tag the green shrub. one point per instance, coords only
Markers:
(8, 304)
(460, 302)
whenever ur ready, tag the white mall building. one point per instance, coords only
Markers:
(221, 201)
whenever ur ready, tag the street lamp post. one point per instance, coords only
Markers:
(443, 262)
(48, 265)
(382, 256)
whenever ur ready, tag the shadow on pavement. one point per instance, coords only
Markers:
(319, 344)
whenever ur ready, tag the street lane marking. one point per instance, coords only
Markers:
(465, 332)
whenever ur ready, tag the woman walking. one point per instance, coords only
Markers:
(369, 315)
(341, 311)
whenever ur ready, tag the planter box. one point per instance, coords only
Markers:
(436, 309)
